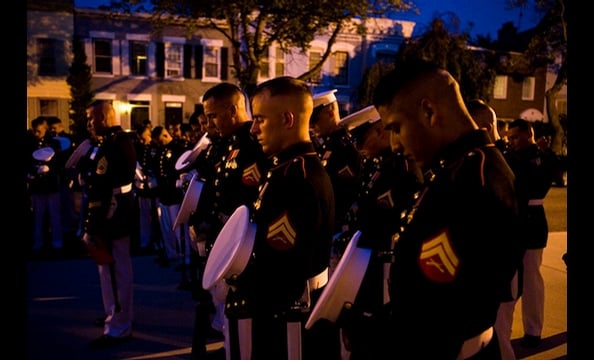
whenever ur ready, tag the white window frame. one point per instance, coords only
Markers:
(528, 85)
(126, 69)
(336, 68)
(500, 87)
(279, 61)
(211, 51)
(310, 65)
(266, 63)
(174, 58)
(351, 53)
(115, 58)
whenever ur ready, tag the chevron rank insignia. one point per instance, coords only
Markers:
(251, 175)
(385, 200)
(438, 260)
(346, 172)
(281, 233)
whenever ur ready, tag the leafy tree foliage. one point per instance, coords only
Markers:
(370, 78)
(472, 68)
(254, 25)
(80, 81)
(546, 45)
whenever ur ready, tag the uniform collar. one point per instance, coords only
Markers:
(457, 149)
(300, 148)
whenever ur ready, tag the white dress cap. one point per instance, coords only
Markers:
(366, 115)
(324, 98)
(44, 154)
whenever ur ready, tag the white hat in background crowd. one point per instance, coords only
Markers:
(324, 98)
(367, 115)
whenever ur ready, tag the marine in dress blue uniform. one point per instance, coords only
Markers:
(387, 190)
(535, 169)
(337, 152)
(458, 250)
(170, 196)
(107, 173)
(294, 217)
(238, 165)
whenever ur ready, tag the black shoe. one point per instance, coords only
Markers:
(100, 321)
(530, 341)
(106, 341)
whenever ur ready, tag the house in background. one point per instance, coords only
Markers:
(50, 26)
(519, 91)
(161, 76)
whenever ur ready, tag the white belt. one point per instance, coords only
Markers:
(475, 344)
(122, 189)
(535, 202)
(319, 280)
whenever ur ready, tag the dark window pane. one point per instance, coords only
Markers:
(102, 48)
(138, 58)
(46, 49)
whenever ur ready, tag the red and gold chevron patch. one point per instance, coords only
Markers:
(438, 260)
(251, 175)
(346, 172)
(281, 233)
(385, 200)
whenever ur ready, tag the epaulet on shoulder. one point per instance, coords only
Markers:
(478, 154)
(296, 166)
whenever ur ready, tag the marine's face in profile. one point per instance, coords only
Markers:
(220, 114)
(267, 126)
(408, 132)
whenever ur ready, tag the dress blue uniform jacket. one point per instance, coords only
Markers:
(457, 253)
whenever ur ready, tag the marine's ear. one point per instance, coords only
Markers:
(427, 110)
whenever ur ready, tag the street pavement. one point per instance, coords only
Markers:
(63, 301)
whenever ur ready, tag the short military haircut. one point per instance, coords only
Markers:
(51, 120)
(404, 74)
(222, 91)
(38, 121)
(284, 85)
(476, 104)
(523, 125)
(156, 132)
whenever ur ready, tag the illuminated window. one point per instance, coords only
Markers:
(528, 88)
(173, 60)
(341, 67)
(265, 64)
(500, 87)
(211, 62)
(279, 62)
(138, 58)
(315, 56)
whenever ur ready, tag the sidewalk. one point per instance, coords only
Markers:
(554, 337)
(64, 300)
